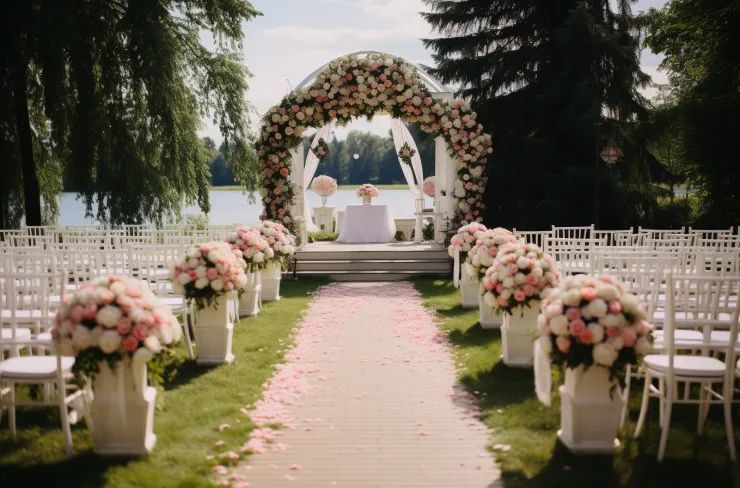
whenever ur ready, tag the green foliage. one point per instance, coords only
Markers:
(399, 236)
(700, 43)
(322, 236)
(115, 92)
(541, 76)
(196, 222)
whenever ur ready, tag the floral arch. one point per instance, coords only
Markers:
(365, 84)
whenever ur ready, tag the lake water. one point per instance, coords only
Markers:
(229, 207)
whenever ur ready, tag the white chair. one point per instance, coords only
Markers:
(538, 237)
(711, 233)
(572, 254)
(50, 372)
(695, 301)
(578, 232)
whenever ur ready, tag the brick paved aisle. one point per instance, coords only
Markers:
(367, 398)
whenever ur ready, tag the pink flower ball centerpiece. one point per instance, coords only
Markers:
(465, 238)
(250, 246)
(520, 274)
(324, 186)
(429, 186)
(111, 318)
(594, 321)
(482, 254)
(367, 192)
(280, 240)
(208, 271)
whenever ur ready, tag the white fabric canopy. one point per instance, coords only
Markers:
(312, 163)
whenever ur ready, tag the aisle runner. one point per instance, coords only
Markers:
(366, 398)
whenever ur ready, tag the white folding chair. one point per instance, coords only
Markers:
(707, 302)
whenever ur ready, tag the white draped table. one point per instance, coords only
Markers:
(367, 223)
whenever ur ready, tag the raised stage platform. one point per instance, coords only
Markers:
(372, 262)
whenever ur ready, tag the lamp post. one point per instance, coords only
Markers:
(610, 154)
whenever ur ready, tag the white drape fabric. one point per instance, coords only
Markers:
(312, 164)
(542, 373)
(413, 174)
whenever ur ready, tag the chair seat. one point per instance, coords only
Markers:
(43, 337)
(683, 365)
(721, 336)
(34, 367)
(26, 315)
(683, 338)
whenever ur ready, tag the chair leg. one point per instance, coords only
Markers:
(11, 412)
(66, 429)
(644, 404)
(729, 431)
(625, 395)
(186, 332)
(703, 407)
(666, 427)
(661, 401)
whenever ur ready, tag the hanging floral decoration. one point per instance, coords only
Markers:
(356, 86)
(321, 149)
(406, 153)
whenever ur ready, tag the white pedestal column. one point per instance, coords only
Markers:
(214, 332)
(323, 217)
(488, 319)
(518, 334)
(589, 411)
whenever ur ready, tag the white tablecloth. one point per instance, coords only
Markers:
(367, 223)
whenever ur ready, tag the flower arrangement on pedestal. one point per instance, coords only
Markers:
(519, 277)
(208, 271)
(595, 329)
(429, 186)
(110, 318)
(283, 245)
(321, 149)
(324, 186)
(361, 85)
(114, 326)
(406, 153)
(367, 192)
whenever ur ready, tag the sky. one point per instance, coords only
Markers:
(295, 37)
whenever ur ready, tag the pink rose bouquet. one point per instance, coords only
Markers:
(110, 318)
(324, 186)
(520, 273)
(587, 320)
(280, 241)
(482, 253)
(251, 247)
(465, 238)
(428, 186)
(367, 190)
(207, 271)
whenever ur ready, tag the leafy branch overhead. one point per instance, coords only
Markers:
(115, 91)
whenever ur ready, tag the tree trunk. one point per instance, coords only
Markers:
(31, 190)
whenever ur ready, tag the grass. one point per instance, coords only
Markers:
(195, 401)
(536, 459)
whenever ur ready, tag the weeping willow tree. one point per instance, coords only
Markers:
(109, 95)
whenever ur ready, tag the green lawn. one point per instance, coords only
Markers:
(195, 402)
(516, 418)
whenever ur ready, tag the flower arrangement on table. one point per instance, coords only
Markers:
(482, 254)
(208, 271)
(465, 238)
(520, 274)
(587, 320)
(279, 240)
(429, 186)
(251, 247)
(367, 190)
(111, 318)
(324, 186)
(406, 153)
(321, 149)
